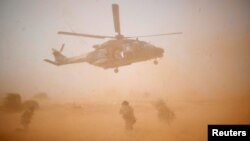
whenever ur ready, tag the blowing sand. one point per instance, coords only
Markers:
(99, 121)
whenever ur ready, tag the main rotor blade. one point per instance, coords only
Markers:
(155, 35)
(116, 18)
(85, 35)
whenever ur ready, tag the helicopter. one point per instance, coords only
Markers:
(118, 51)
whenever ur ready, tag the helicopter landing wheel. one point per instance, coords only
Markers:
(155, 62)
(116, 70)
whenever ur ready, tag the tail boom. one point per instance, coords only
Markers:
(52, 62)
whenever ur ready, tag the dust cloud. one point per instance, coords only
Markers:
(202, 79)
(99, 119)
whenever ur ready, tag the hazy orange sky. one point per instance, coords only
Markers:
(211, 56)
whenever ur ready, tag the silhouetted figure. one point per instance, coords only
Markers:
(26, 117)
(12, 102)
(127, 113)
(164, 112)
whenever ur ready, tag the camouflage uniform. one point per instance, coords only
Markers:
(127, 113)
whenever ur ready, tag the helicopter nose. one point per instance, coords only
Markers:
(161, 50)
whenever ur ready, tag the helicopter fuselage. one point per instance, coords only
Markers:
(116, 53)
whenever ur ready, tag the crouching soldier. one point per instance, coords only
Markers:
(26, 117)
(127, 113)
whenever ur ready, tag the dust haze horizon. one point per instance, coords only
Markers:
(211, 57)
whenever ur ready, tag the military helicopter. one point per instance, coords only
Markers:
(114, 53)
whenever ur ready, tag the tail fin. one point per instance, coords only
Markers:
(59, 57)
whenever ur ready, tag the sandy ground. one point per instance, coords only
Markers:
(100, 122)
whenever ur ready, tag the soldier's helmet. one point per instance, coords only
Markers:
(125, 103)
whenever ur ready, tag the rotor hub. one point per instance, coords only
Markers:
(119, 36)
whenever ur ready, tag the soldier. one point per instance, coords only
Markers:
(26, 117)
(127, 113)
(164, 112)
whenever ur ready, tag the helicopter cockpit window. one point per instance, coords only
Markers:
(127, 51)
(126, 48)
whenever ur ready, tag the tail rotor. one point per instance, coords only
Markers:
(62, 47)
(59, 57)
(55, 51)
